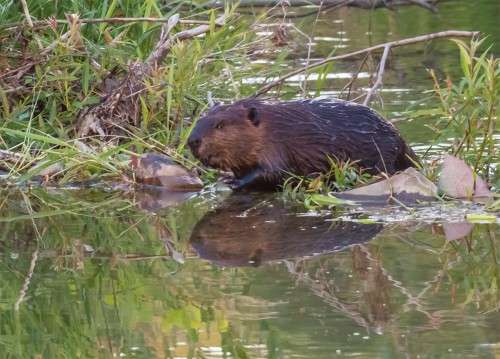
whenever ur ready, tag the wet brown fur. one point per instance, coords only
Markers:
(238, 147)
(299, 137)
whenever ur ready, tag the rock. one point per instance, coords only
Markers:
(160, 170)
(408, 187)
(459, 181)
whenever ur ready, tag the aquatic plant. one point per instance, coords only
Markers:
(475, 273)
(341, 176)
(469, 108)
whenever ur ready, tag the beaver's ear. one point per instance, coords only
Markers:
(253, 116)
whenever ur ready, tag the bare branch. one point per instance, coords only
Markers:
(391, 44)
(380, 75)
(165, 44)
(160, 49)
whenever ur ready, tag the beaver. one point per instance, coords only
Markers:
(263, 142)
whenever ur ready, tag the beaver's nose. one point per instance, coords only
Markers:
(194, 143)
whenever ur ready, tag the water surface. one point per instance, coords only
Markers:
(101, 273)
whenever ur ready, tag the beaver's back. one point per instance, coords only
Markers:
(310, 131)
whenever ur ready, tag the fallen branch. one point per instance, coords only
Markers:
(121, 106)
(389, 45)
(363, 4)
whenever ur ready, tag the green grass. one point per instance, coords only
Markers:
(39, 109)
(469, 109)
(313, 191)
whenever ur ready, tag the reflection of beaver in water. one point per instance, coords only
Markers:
(249, 230)
(260, 142)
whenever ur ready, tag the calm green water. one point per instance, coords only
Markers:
(99, 273)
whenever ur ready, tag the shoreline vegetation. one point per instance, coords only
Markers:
(80, 95)
(107, 272)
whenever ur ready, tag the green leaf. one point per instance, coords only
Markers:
(42, 138)
(366, 221)
(328, 200)
(465, 60)
(481, 218)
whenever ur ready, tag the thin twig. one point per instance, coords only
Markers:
(397, 43)
(27, 13)
(157, 53)
(27, 280)
(354, 77)
(34, 257)
(322, 9)
(166, 43)
(109, 20)
(380, 75)
(121, 20)
(54, 44)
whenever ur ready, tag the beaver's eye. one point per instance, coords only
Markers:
(219, 125)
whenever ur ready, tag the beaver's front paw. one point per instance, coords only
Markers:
(233, 182)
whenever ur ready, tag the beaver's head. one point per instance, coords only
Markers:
(228, 137)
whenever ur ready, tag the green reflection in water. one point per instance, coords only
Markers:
(108, 278)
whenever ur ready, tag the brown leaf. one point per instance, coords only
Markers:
(459, 181)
